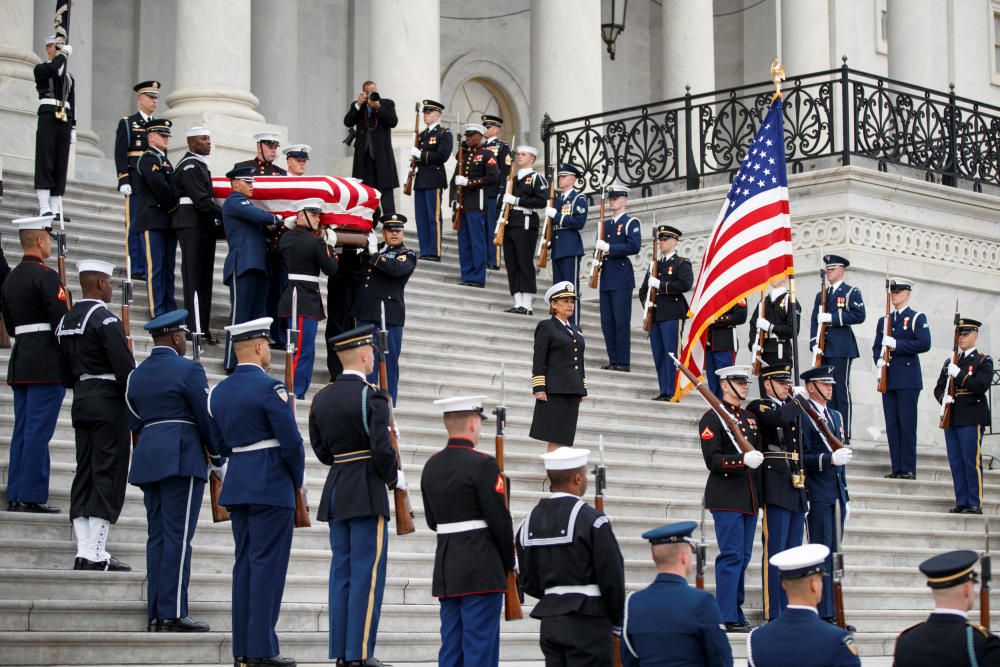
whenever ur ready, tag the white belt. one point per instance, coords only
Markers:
(303, 278)
(171, 421)
(184, 200)
(32, 328)
(49, 100)
(263, 444)
(526, 211)
(591, 590)
(460, 526)
(102, 376)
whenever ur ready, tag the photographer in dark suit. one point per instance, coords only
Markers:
(373, 117)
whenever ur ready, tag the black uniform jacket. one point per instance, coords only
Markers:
(778, 428)
(505, 159)
(480, 167)
(385, 276)
(130, 143)
(721, 334)
(676, 277)
(92, 341)
(33, 295)
(532, 192)
(358, 450)
(305, 254)
(461, 483)
(778, 342)
(374, 142)
(435, 146)
(943, 639)
(563, 541)
(193, 180)
(157, 200)
(731, 485)
(558, 366)
(971, 386)
(49, 83)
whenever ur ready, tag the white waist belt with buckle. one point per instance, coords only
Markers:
(526, 211)
(591, 590)
(32, 328)
(184, 200)
(263, 444)
(171, 421)
(102, 376)
(303, 278)
(49, 100)
(460, 526)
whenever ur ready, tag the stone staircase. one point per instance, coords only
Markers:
(456, 341)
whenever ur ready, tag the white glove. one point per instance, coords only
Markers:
(401, 481)
(278, 220)
(602, 245)
(415, 152)
(889, 342)
(125, 189)
(948, 399)
(654, 282)
(953, 370)
(764, 325)
(824, 318)
(372, 243)
(289, 222)
(847, 511)
(550, 212)
(842, 456)
(509, 199)
(461, 181)
(66, 49)
(753, 459)
(879, 364)
(220, 471)
(72, 136)
(814, 351)
(330, 236)
(800, 391)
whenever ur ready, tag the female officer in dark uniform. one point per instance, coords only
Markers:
(558, 379)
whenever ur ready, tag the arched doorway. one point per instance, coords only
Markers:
(478, 96)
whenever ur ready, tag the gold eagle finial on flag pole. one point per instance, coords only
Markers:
(777, 76)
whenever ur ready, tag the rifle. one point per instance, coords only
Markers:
(301, 502)
(728, 423)
(950, 389)
(408, 187)
(61, 261)
(821, 424)
(505, 214)
(196, 335)
(883, 376)
(600, 483)
(457, 222)
(654, 270)
(546, 236)
(127, 297)
(512, 596)
(761, 334)
(701, 552)
(821, 331)
(401, 497)
(595, 273)
(986, 574)
(838, 572)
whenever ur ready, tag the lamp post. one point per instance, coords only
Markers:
(612, 22)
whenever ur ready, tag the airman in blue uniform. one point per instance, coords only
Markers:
(670, 623)
(433, 149)
(569, 216)
(166, 398)
(251, 414)
(622, 238)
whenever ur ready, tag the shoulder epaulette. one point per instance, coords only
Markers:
(373, 386)
(981, 629)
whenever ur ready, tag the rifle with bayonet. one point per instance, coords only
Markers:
(61, 257)
(545, 238)
(219, 512)
(654, 271)
(600, 483)
(459, 192)
(505, 214)
(821, 330)
(758, 349)
(595, 272)
(950, 387)
(883, 375)
(401, 497)
(985, 577)
(408, 186)
(700, 552)
(728, 423)
(127, 301)
(512, 596)
(291, 346)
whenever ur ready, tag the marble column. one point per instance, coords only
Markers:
(915, 26)
(275, 64)
(81, 66)
(805, 36)
(17, 84)
(688, 47)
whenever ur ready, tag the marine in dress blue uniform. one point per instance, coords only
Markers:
(349, 431)
(168, 411)
(670, 623)
(477, 172)
(252, 416)
(844, 308)
(501, 150)
(527, 200)
(674, 276)
(970, 413)
(622, 238)
(569, 216)
(910, 336)
(433, 149)
(800, 638)
(154, 213)
(130, 144)
(720, 343)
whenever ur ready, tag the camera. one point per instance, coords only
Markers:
(351, 134)
(374, 96)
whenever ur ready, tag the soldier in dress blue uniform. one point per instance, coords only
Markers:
(784, 502)
(670, 622)
(569, 216)
(910, 336)
(501, 150)
(732, 493)
(387, 270)
(349, 431)
(157, 203)
(844, 309)
(527, 199)
(296, 157)
(778, 324)
(251, 415)
(826, 479)
(245, 270)
(674, 276)
(56, 125)
(307, 250)
(948, 637)
(465, 503)
(720, 343)
(130, 144)
(166, 396)
(477, 172)
(571, 562)
(970, 412)
(800, 638)
(622, 238)
(432, 151)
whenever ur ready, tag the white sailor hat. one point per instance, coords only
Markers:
(524, 148)
(559, 290)
(566, 458)
(300, 151)
(266, 136)
(900, 284)
(259, 328)
(474, 128)
(198, 132)
(107, 268)
(462, 404)
(734, 373)
(618, 190)
(51, 39)
(312, 203)
(34, 222)
(802, 561)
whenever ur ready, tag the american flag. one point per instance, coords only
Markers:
(751, 243)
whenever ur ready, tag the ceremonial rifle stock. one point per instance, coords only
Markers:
(291, 345)
(654, 271)
(945, 421)
(728, 423)
(401, 497)
(701, 552)
(61, 259)
(457, 222)
(505, 215)
(595, 273)
(821, 330)
(985, 576)
(512, 596)
(600, 483)
(820, 422)
(883, 376)
(127, 301)
(408, 187)
(761, 334)
(219, 512)
(545, 239)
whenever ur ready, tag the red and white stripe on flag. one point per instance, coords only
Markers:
(750, 245)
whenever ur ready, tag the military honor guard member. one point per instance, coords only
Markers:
(910, 336)
(251, 415)
(296, 158)
(56, 125)
(622, 238)
(558, 370)
(349, 431)
(675, 278)
(154, 213)
(782, 481)
(948, 637)
(465, 504)
(386, 271)
(826, 479)
(472, 177)
(98, 361)
(844, 308)
(196, 221)
(778, 324)
(732, 493)
(669, 622)
(245, 269)
(130, 144)
(432, 151)
(342, 294)
(720, 343)
(528, 199)
(571, 562)
(569, 216)
(373, 117)
(34, 301)
(165, 396)
(501, 151)
(970, 412)
(819, 644)
(307, 250)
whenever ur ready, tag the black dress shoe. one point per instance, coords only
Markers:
(958, 509)
(274, 661)
(39, 508)
(430, 258)
(185, 624)
(239, 661)
(738, 627)
(493, 268)
(892, 475)
(608, 367)
(973, 510)
(80, 563)
(528, 311)
(513, 309)
(210, 339)
(906, 475)
(13, 506)
(154, 624)
(621, 367)
(112, 564)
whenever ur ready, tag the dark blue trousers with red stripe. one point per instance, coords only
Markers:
(305, 354)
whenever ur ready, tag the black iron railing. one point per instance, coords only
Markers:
(836, 114)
